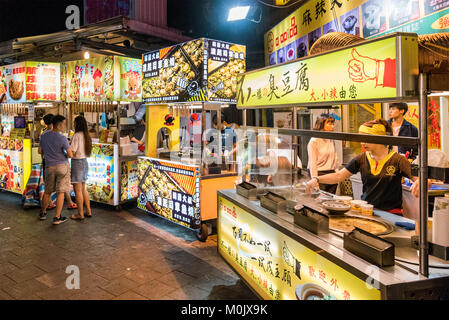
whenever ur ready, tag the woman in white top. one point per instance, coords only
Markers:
(323, 157)
(82, 148)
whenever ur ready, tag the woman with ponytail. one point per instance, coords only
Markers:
(82, 148)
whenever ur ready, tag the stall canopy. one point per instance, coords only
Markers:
(384, 69)
(198, 70)
(30, 81)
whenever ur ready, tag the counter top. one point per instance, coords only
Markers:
(331, 245)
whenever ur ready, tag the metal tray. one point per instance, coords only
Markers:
(273, 202)
(311, 220)
(247, 190)
(369, 247)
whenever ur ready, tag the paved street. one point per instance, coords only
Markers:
(121, 255)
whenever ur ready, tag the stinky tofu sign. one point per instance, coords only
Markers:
(371, 71)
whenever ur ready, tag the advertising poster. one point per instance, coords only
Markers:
(301, 47)
(100, 182)
(225, 62)
(431, 6)
(198, 70)
(321, 79)
(43, 81)
(350, 22)
(14, 166)
(279, 268)
(313, 37)
(330, 27)
(128, 79)
(402, 11)
(374, 17)
(129, 181)
(13, 82)
(272, 62)
(170, 190)
(90, 80)
(290, 51)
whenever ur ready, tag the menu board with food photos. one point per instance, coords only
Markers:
(101, 176)
(198, 70)
(30, 81)
(103, 79)
(15, 164)
(129, 181)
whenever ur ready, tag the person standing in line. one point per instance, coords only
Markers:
(48, 127)
(56, 150)
(402, 128)
(81, 146)
(323, 157)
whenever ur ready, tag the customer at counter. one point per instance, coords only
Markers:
(381, 168)
(402, 128)
(323, 157)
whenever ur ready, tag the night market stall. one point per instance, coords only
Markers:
(286, 244)
(185, 89)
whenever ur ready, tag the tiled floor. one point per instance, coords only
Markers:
(125, 255)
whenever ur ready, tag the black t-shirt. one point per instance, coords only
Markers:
(139, 131)
(382, 181)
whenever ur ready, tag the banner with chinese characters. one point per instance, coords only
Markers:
(127, 79)
(129, 181)
(198, 70)
(279, 268)
(360, 73)
(101, 175)
(15, 164)
(170, 190)
(43, 81)
(294, 36)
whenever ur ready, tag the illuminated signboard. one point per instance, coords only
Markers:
(294, 36)
(279, 268)
(369, 71)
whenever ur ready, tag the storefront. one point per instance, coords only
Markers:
(31, 90)
(282, 242)
(107, 91)
(185, 87)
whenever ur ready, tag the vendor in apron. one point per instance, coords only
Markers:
(381, 170)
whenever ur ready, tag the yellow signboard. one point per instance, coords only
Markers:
(279, 268)
(365, 72)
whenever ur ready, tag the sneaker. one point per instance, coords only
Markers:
(59, 220)
(43, 215)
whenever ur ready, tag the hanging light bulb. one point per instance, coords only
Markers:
(86, 55)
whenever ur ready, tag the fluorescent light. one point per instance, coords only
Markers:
(238, 13)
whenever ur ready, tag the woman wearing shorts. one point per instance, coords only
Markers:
(82, 147)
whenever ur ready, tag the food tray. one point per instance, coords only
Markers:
(388, 228)
(273, 202)
(247, 190)
(369, 247)
(336, 207)
(311, 220)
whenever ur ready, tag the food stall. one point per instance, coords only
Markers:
(288, 245)
(107, 91)
(31, 89)
(184, 87)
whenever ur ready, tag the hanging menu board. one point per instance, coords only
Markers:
(198, 70)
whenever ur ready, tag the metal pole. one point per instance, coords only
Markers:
(423, 175)
(295, 138)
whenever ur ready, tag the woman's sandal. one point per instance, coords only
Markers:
(72, 207)
(76, 217)
(88, 215)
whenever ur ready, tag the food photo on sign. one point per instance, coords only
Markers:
(290, 51)
(374, 17)
(301, 47)
(350, 22)
(281, 55)
(314, 36)
(330, 26)
(402, 11)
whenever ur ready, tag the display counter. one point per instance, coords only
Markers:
(178, 192)
(280, 260)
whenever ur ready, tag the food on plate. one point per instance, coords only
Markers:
(74, 92)
(16, 89)
(19, 145)
(4, 143)
(12, 144)
(347, 224)
(4, 169)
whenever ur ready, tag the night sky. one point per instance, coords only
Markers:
(196, 18)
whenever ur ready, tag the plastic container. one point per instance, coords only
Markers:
(356, 205)
(367, 209)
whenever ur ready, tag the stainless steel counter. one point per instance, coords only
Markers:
(395, 282)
